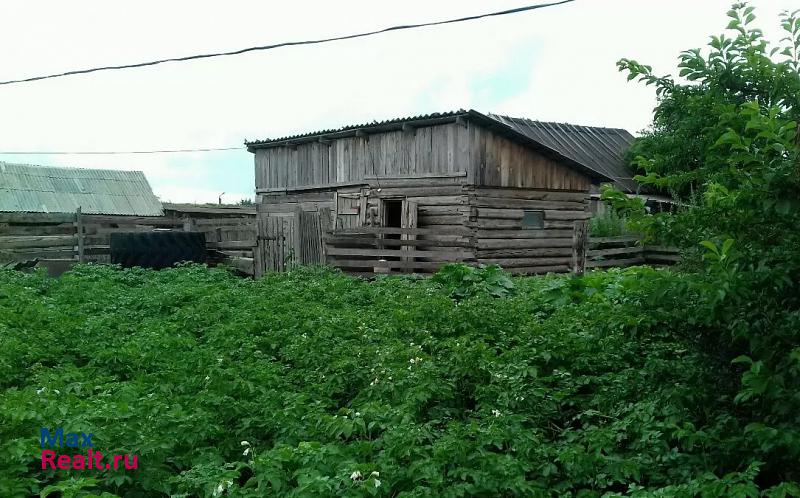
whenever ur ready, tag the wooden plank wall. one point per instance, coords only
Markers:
(501, 240)
(624, 251)
(441, 202)
(434, 149)
(484, 157)
(419, 250)
(26, 236)
(502, 162)
(228, 229)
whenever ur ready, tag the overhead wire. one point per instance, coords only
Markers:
(516, 10)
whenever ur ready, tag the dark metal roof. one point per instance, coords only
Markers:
(596, 152)
(600, 149)
(42, 189)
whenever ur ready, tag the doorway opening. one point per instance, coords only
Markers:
(393, 213)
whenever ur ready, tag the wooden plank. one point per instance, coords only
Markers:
(523, 243)
(418, 191)
(227, 210)
(412, 231)
(533, 194)
(37, 229)
(37, 217)
(374, 242)
(501, 214)
(524, 253)
(133, 220)
(44, 253)
(599, 253)
(524, 234)
(511, 203)
(615, 262)
(442, 200)
(37, 241)
(440, 219)
(492, 223)
(595, 241)
(453, 255)
(526, 262)
(567, 215)
(226, 222)
(231, 244)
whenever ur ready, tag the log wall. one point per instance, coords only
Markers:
(502, 240)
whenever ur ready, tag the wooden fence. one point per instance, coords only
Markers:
(424, 250)
(384, 249)
(605, 252)
(86, 237)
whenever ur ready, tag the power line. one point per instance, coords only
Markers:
(115, 152)
(287, 44)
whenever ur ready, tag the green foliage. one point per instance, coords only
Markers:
(725, 143)
(624, 215)
(311, 383)
(463, 281)
(607, 224)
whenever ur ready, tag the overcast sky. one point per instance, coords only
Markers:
(555, 64)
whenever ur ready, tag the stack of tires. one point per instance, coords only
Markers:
(160, 249)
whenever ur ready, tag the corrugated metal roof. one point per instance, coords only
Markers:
(595, 151)
(600, 149)
(44, 189)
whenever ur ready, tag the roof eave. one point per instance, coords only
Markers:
(353, 131)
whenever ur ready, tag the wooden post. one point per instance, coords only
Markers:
(580, 242)
(325, 229)
(79, 232)
(297, 241)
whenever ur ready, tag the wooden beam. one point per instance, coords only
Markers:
(580, 243)
(79, 233)
(460, 120)
(290, 145)
(407, 128)
(325, 141)
(362, 134)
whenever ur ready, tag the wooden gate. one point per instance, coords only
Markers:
(287, 239)
(274, 251)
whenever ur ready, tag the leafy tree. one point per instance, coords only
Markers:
(724, 140)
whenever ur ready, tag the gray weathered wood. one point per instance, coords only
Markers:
(79, 233)
(579, 247)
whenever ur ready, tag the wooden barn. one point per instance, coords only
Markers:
(412, 194)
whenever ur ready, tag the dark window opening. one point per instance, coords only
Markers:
(533, 220)
(393, 213)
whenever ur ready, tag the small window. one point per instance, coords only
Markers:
(533, 220)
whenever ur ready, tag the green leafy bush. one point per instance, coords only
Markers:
(467, 281)
(311, 383)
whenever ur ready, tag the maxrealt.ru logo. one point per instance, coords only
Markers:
(91, 460)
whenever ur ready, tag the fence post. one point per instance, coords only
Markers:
(79, 230)
(324, 229)
(580, 241)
